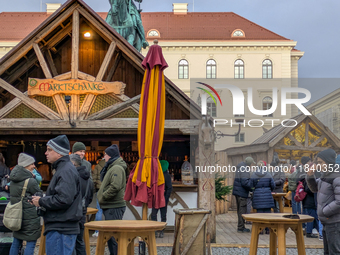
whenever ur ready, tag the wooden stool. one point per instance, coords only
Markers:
(125, 232)
(278, 227)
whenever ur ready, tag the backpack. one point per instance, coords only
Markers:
(292, 181)
(300, 192)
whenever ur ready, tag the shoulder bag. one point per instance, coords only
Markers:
(13, 213)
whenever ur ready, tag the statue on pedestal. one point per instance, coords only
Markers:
(125, 18)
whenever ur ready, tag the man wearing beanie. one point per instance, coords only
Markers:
(167, 193)
(111, 192)
(80, 149)
(328, 199)
(62, 201)
(241, 189)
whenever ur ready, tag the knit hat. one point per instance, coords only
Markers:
(78, 146)
(328, 156)
(25, 160)
(304, 160)
(164, 165)
(113, 151)
(249, 161)
(60, 144)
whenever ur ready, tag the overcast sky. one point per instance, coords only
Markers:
(314, 24)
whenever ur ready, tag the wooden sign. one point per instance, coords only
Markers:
(50, 87)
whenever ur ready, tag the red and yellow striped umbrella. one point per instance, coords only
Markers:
(146, 180)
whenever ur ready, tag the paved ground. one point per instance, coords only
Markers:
(222, 251)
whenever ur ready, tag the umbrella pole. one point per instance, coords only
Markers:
(145, 211)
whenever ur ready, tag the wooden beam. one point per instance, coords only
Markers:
(86, 106)
(36, 38)
(297, 143)
(51, 63)
(59, 36)
(306, 133)
(287, 147)
(9, 107)
(109, 111)
(33, 104)
(64, 76)
(114, 67)
(61, 106)
(317, 141)
(42, 61)
(75, 45)
(110, 124)
(85, 76)
(74, 107)
(125, 98)
(106, 61)
(21, 69)
(253, 148)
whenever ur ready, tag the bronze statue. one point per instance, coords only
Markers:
(126, 20)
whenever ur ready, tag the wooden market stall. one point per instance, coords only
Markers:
(307, 138)
(58, 81)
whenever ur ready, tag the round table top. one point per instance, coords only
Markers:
(91, 210)
(275, 218)
(279, 194)
(126, 225)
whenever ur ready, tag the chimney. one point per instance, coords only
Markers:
(180, 8)
(50, 8)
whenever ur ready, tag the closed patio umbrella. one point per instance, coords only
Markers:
(145, 185)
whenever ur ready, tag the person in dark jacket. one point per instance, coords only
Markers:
(167, 193)
(112, 190)
(241, 190)
(30, 228)
(86, 187)
(309, 205)
(80, 149)
(4, 174)
(279, 179)
(63, 200)
(263, 184)
(327, 188)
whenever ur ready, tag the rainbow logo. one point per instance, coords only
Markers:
(209, 93)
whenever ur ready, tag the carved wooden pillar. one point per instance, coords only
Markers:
(206, 179)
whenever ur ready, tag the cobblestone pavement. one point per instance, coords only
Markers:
(221, 251)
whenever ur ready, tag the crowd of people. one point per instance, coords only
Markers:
(314, 187)
(69, 193)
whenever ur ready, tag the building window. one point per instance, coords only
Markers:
(238, 33)
(183, 69)
(267, 69)
(240, 138)
(153, 33)
(211, 107)
(267, 103)
(239, 69)
(211, 69)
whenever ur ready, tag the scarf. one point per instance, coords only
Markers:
(104, 170)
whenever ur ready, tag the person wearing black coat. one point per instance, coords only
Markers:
(279, 180)
(263, 185)
(86, 187)
(241, 190)
(63, 201)
(310, 205)
(167, 193)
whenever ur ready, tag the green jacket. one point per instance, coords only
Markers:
(96, 174)
(112, 189)
(30, 228)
